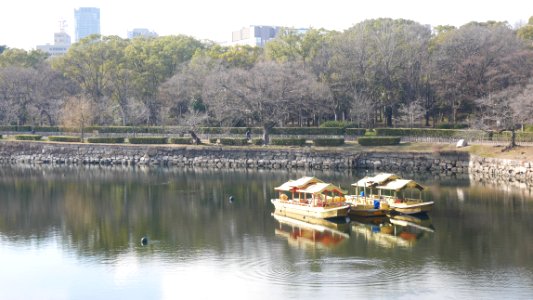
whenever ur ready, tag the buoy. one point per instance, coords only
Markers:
(231, 199)
(144, 241)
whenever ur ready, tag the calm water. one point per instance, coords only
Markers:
(74, 233)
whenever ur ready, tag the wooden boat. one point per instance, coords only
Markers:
(311, 197)
(366, 204)
(387, 193)
(366, 207)
(397, 200)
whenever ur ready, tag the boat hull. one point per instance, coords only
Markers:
(311, 211)
(409, 209)
(371, 212)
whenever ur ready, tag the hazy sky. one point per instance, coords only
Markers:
(27, 23)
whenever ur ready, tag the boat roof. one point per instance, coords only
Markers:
(400, 184)
(322, 187)
(378, 179)
(298, 184)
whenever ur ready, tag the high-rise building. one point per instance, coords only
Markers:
(254, 35)
(141, 32)
(61, 42)
(87, 22)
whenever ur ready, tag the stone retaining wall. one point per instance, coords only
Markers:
(291, 158)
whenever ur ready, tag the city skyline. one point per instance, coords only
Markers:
(215, 20)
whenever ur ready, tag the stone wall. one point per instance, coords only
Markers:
(208, 156)
(451, 162)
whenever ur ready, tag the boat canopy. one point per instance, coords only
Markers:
(379, 179)
(400, 184)
(321, 187)
(297, 184)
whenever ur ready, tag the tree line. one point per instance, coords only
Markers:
(386, 72)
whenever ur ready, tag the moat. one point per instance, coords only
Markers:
(75, 232)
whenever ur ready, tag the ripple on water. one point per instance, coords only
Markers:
(336, 272)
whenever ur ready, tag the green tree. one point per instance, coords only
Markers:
(152, 62)
(234, 56)
(22, 58)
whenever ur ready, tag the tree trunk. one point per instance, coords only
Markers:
(266, 134)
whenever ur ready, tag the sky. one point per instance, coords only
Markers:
(27, 23)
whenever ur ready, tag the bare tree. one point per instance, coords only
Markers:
(262, 95)
(77, 112)
(412, 112)
(506, 110)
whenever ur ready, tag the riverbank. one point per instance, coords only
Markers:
(407, 158)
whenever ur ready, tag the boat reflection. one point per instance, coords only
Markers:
(306, 232)
(393, 230)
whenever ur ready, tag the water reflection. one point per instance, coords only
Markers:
(307, 232)
(82, 225)
(392, 231)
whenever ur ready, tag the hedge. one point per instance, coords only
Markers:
(506, 136)
(257, 141)
(451, 126)
(307, 131)
(378, 141)
(233, 141)
(15, 128)
(355, 131)
(28, 137)
(181, 140)
(47, 129)
(213, 140)
(338, 124)
(147, 140)
(287, 142)
(426, 132)
(329, 142)
(106, 140)
(67, 139)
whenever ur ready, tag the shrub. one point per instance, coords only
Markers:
(378, 141)
(181, 140)
(355, 131)
(287, 142)
(213, 140)
(67, 139)
(28, 137)
(528, 128)
(338, 124)
(427, 132)
(451, 126)
(210, 130)
(105, 140)
(147, 140)
(329, 142)
(257, 141)
(242, 130)
(307, 131)
(47, 129)
(15, 128)
(233, 141)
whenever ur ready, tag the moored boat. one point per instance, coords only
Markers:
(387, 192)
(311, 197)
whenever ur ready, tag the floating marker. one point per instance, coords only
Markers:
(144, 241)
